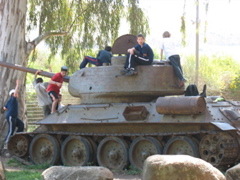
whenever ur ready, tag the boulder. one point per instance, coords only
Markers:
(233, 173)
(2, 171)
(77, 173)
(178, 167)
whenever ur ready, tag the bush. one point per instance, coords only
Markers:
(219, 73)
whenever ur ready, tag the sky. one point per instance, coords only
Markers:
(223, 30)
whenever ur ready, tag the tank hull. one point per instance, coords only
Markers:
(117, 134)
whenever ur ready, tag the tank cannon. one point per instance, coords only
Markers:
(122, 120)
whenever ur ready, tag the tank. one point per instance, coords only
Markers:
(122, 120)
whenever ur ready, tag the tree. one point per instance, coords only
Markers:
(73, 26)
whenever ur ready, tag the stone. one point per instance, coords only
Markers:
(179, 167)
(77, 173)
(233, 173)
(2, 171)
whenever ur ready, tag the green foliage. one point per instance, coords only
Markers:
(156, 53)
(41, 63)
(234, 87)
(220, 73)
(137, 19)
(183, 25)
(131, 170)
(89, 24)
(26, 175)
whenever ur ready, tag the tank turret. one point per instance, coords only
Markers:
(124, 119)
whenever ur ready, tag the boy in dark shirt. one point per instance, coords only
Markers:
(104, 56)
(141, 54)
(12, 113)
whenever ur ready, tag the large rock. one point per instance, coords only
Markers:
(178, 167)
(77, 173)
(233, 173)
(2, 171)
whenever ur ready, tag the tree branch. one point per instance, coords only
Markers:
(40, 38)
(32, 44)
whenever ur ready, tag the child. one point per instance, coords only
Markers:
(104, 56)
(169, 49)
(54, 87)
(141, 54)
(12, 113)
(41, 90)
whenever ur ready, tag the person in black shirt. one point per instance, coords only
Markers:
(141, 54)
(104, 56)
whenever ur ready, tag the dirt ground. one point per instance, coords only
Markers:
(117, 175)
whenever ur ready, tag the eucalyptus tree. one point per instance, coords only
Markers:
(70, 27)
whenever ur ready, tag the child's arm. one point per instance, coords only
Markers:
(16, 89)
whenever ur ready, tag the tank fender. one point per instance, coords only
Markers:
(186, 105)
(224, 126)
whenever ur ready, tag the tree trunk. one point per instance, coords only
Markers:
(13, 48)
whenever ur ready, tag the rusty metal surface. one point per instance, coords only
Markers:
(109, 87)
(29, 70)
(123, 43)
(181, 105)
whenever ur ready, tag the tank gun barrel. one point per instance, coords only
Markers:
(30, 70)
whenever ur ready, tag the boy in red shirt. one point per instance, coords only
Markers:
(54, 86)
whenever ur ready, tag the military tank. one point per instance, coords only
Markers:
(122, 120)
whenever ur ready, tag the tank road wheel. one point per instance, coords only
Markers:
(76, 151)
(18, 145)
(45, 149)
(219, 149)
(181, 145)
(141, 148)
(112, 152)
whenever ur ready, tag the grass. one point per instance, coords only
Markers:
(15, 163)
(25, 174)
(131, 170)
(29, 172)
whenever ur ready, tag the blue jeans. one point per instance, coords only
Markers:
(175, 62)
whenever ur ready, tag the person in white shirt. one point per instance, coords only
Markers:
(168, 46)
(43, 99)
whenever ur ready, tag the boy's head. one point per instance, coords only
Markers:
(64, 70)
(140, 39)
(11, 92)
(166, 34)
(108, 48)
(39, 80)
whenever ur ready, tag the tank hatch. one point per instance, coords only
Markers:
(123, 43)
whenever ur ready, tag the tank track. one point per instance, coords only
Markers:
(216, 147)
